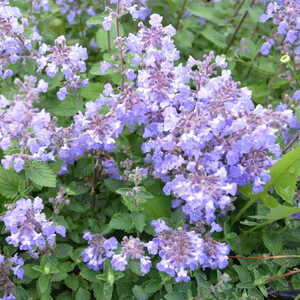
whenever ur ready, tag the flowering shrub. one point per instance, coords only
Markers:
(166, 153)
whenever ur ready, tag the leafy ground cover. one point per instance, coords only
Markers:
(149, 149)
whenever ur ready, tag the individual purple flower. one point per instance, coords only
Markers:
(62, 93)
(98, 251)
(296, 95)
(265, 48)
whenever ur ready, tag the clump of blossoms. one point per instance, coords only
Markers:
(203, 134)
(132, 248)
(182, 250)
(13, 41)
(70, 60)
(90, 131)
(8, 266)
(98, 251)
(29, 228)
(204, 137)
(24, 126)
(285, 15)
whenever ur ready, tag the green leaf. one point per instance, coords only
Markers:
(82, 294)
(214, 36)
(209, 13)
(92, 91)
(87, 273)
(273, 241)
(152, 286)
(12, 185)
(139, 293)
(72, 282)
(243, 273)
(297, 113)
(41, 174)
(139, 221)
(121, 221)
(62, 250)
(95, 20)
(134, 200)
(30, 272)
(281, 212)
(44, 283)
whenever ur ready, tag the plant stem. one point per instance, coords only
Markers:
(108, 32)
(241, 212)
(180, 13)
(283, 275)
(121, 48)
(238, 27)
(265, 257)
(238, 8)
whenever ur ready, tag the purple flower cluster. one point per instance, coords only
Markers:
(182, 250)
(70, 60)
(13, 42)
(29, 229)
(8, 266)
(202, 141)
(285, 15)
(204, 137)
(24, 127)
(132, 248)
(98, 251)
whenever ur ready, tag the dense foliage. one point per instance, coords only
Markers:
(149, 149)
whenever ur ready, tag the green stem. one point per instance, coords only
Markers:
(241, 212)
(108, 32)
(180, 13)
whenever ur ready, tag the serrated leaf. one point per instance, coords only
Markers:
(208, 13)
(43, 283)
(87, 273)
(214, 36)
(273, 241)
(92, 91)
(243, 273)
(139, 221)
(121, 221)
(82, 294)
(11, 184)
(41, 174)
(62, 250)
(72, 282)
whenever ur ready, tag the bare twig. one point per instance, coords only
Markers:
(238, 27)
